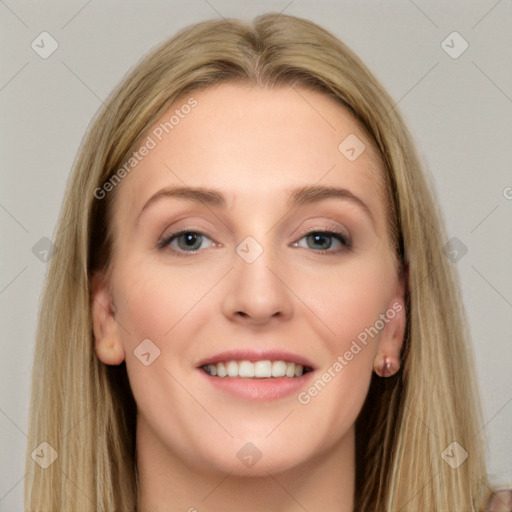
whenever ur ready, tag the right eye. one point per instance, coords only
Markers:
(183, 241)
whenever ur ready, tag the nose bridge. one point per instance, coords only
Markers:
(256, 288)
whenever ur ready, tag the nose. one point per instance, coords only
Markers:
(257, 291)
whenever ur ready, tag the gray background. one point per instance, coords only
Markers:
(458, 109)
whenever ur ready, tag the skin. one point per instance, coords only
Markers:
(252, 144)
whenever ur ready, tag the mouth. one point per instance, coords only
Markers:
(259, 375)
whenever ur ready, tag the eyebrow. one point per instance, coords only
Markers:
(314, 193)
(296, 197)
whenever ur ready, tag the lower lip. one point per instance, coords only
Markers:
(259, 389)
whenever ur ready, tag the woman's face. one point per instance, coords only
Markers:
(283, 255)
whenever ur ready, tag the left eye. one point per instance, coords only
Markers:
(324, 240)
(186, 240)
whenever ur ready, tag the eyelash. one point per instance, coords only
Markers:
(163, 243)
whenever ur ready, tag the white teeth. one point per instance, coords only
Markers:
(221, 369)
(263, 369)
(258, 369)
(232, 369)
(246, 369)
(278, 369)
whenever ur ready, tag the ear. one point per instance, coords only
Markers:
(387, 360)
(107, 340)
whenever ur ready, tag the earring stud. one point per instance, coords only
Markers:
(387, 367)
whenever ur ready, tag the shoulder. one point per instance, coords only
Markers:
(499, 501)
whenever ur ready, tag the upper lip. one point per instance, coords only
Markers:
(254, 355)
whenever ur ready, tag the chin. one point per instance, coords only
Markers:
(257, 460)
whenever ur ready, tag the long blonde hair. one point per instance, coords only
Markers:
(85, 410)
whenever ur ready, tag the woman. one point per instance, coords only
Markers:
(250, 307)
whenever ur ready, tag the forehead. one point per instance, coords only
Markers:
(254, 143)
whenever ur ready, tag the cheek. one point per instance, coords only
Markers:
(350, 300)
(167, 306)
(351, 303)
(154, 299)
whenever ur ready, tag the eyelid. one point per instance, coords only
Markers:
(329, 226)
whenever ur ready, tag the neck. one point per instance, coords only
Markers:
(166, 484)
